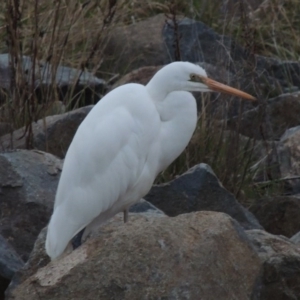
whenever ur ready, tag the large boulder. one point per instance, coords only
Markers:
(136, 45)
(281, 266)
(28, 181)
(196, 190)
(28, 184)
(201, 253)
(53, 134)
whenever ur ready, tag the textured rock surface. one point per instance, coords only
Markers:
(54, 134)
(28, 183)
(281, 266)
(278, 215)
(281, 113)
(146, 208)
(199, 189)
(10, 262)
(136, 45)
(288, 157)
(154, 258)
(37, 259)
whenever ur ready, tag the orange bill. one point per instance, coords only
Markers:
(222, 88)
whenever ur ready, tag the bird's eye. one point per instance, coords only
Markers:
(192, 77)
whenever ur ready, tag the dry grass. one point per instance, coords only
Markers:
(276, 29)
(69, 29)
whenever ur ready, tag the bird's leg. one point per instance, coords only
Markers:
(76, 241)
(125, 214)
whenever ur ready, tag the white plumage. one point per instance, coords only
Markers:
(130, 136)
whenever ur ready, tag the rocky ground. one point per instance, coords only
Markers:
(190, 238)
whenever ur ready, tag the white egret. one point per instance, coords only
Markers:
(130, 136)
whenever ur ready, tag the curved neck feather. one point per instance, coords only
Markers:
(156, 91)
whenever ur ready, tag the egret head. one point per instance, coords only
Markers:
(190, 77)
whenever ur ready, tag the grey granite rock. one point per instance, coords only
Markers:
(196, 190)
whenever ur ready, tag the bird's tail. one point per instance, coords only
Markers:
(60, 231)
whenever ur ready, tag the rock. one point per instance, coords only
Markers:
(10, 262)
(296, 238)
(196, 190)
(28, 184)
(278, 215)
(53, 134)
(65, 79)
(281, 266)
(141, 45)
(199, 43)
(280, 76)
(28, 181)
(37, 259)
(146, 208)
(288, 153)
(153, 258)
(281, 114)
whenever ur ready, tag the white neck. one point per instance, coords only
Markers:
(178, 114)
